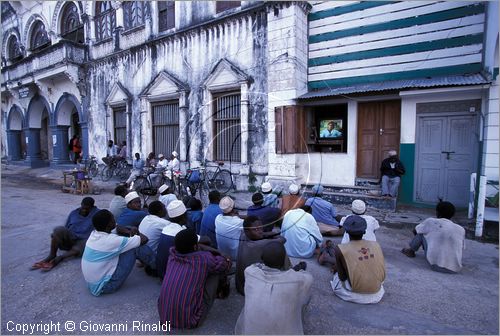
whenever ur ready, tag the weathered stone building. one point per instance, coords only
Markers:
(253, 83)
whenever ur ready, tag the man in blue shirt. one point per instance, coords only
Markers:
(133, 214)
(330, 131)
(137, 166)
(269, 216)
(324, 213)
(71, 237)
(208, 221)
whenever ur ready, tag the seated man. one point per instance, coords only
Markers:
(194, 215)
(111, 152)
(442, 240)
(208, 220)
(269, 216)
(293, 200)
(108, 258)
(137, 167)
(191, 281)
(228, 228)
(252, 243)
(270, 199)
(358, 207)
(118, 204)
(391, 169)
(301, 232)
(324, 213)
(360, 265)
(133, 214)
(71, 237)
(166, 195)
(274, 298)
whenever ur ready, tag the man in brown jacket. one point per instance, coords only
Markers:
(360, 264)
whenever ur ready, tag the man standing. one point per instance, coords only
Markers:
(324, 212)
(191, 281)
(442, 240)
(137, 166)
(228, 228)
(274, 298)
(360, 265)
(77, 149)
(71, 237)
(391, 169)
(208, 220)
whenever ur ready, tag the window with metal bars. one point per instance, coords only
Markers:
(120, 124)
(133, 14)
(165, 128)
(166, 15)
(13, 49)
(221, 6)
(227, 128)
(39, 36)
(105, 20)
(71, 27)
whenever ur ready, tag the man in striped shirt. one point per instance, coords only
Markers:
(191, 281)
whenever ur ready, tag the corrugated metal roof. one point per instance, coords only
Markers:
(455, 80)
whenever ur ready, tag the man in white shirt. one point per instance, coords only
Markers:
(174, 163)
(166, 195)
(228, 228)
(301, 232)
(162, 162)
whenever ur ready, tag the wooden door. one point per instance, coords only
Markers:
(378, 133)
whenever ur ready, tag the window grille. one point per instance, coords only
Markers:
(227, 128)
(120, 124)
(14, 49)
(39, 36)
(105, 20)
(71, 27)
(133, 12)
(165, 128)
(166, 15)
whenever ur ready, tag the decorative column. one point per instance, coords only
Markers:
(60, 144)
(84, 138)
(244, 123)
(183, 127)
(14, 145)
(34, 152)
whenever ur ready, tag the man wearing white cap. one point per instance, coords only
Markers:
(391, 169)
(166, 195)
(270, 199)
(358, 207)
(228, 228)
(162, 162)
(133, 214)
(293, 200)
(174, 164)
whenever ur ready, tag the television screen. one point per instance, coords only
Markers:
(330, 129)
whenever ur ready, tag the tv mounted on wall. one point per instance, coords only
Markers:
(330, 129)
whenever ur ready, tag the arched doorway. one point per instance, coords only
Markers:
(16, 144)
(67, 125)
(38, 133)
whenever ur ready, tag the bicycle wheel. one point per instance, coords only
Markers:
(141, 183)
(123, 173)
(222, 181)
(93, 169)
(106, 174)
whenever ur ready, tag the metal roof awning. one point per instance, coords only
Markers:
(455, 80)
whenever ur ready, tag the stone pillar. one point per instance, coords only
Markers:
(84, 138)
(244, 123)
(183, 127)
(60, 146)
(34, 152)
(14, 145)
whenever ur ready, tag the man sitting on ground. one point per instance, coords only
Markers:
(108, 258)
(166, 195)
(442, 240)
(209, 215)
(252, 242)
(293, 200)
(360, 265)
(194, 215)
(71, 237)
(358, 207)
(269, 216)
(270, 199)
(191, 282)
(274, 298)
(228, 228)
(324, 212)
(301, 233)
(118, 204)
(133, 214)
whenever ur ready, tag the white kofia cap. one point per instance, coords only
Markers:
(293, 189)
(163, 188)
(174, 153)
(392, 153)
(226, 204)
(358, 207)
(160, 156)
(175, 209)
(266, 187)
(131, 196)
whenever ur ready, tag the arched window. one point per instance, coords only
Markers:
(71, 27)
(14, 49)
(39, 37)
(105, 20)
(133, 13)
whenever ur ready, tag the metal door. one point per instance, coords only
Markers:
(446, 156)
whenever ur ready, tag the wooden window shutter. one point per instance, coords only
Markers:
(278, 130)
(291, 129)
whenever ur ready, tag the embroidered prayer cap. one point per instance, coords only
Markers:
(392, 153)
(355, 224)
(131, 196)
(317, 189)
(293, 189)
(266, 187)
(175, 209)
(358, 207)
(163, 188)
(226, 204)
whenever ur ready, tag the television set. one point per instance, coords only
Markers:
(331, 129)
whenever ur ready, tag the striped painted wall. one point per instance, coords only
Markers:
(352, 42)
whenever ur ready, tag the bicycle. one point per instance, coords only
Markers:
(117, 168)
(91, 166)
(219, 179)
